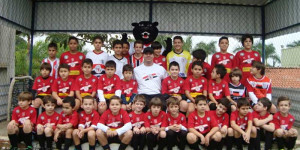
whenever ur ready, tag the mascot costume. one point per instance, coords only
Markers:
(147, 32)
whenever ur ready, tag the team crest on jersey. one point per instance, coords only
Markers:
(93, 80)
(114, 79)
(31, 111)
(130, 115)
(196, 118)
(57, 118)
(213, 84)
(133, 83)
(63, 115)
(223, 85)
(70, 83)
(42, 117)
(81, 115)
(223, 118)
(80, 79)
(51, 81)
(246, 118)
(291, 120)
(181, 82)
(255, 54)
(58, 82)
(38, 80)
(217, 56)
(164, 59)
(202, 80)
(17, 111)
(169, 119)
(66, 57)
(242, 54)
(205, 70)
(182, 118)
(169, 81)
(191, 80)
(80, 57)
(208, 118)
(231, 57)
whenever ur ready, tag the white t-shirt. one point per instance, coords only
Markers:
(149, 78)
(99, 60)
(54, 65)
(120, 63)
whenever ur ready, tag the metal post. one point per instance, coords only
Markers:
(31, 37)
(150, 10)
(263, 32)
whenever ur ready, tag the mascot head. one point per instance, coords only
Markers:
(145, 31)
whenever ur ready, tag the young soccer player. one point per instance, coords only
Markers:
(158, 58)
(244, 58)
(195, 85)
(200, 55)
(176, 125)
(137, 58)
(183, 57)
(46, 123)
(223, 57)
(118, 58)
(67, 122)
(173, 85)
(241, 123)
(22, 122)
(52, 60)
(155, 123)
(202, 127)
(258, 85)
(98, 57)
(88, 120)
(86, 84)
(218, 88)
(125, 50)
(62, 86)
(73, 58)
(42, 85)
(285, 134)
(137, 119)
(236, 88)
(108, 85)
(114, 126)
(263, 121)
(128, 87)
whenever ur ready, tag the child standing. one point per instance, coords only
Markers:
(125, 50)
(22, 122)
(128, 87)
(200, 55)
(52, 59)
(137, 58)
(158, 58)
(118, 58)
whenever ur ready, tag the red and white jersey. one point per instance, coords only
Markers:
(99, 60)
(63, 88)
(256, 115)
(243, 60)
(157, 121)
(88, 120)
(219, 90)
(171, 87)
(237, 91)
(114, 121)
(20, 115)
(109, 85)
(285, 123)
(241, 121)
(161, 60)
(194, 85)
(221, 120)
(137, 120)
(206, 70)
(54, 65)
(120, 63)
(43, 86)
(134, 62)
(179, 120)
(72, 118)
(74, 61)
(260, 87)
(44, 119)
(224, 59)
(201, 124)
(128, 87)
(86, 86)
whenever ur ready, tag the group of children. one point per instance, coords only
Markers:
(206, 105)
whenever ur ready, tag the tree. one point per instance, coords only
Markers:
(21, 64)
(209, 48)
(294, 44)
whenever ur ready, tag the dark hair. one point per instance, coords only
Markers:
(225, 102)
(283, 98)
(156, 45)
(199, 54)
(117, 42)
(97, 37)
(73, 38)
(200, 98)
(174, 63)
(125, 42)
(87, 61)
(54, 45)
(221, 70)
(70, 100)
(87, 97)
(223, 38)
(179, 38)
(242, 102)
(25, 96)
(173, 101)
(46, 66)
(115, 98)
(245, 36)
(110, 63)
(197, 63)
(139, 98)
(127, 67)
(138, 42)
(236, 72)
(259, 66)
(155, 101)
(65, 66)
(49, 98)
(266, 102)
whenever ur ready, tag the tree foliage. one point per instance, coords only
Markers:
(293, 44)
